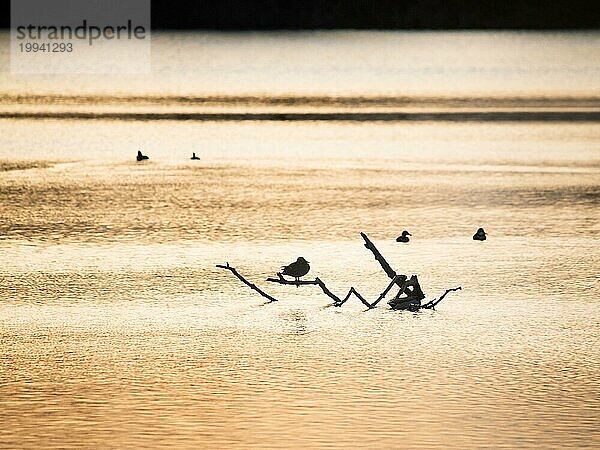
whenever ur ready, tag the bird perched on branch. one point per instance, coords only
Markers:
(404, 237)
(480, 235)
(141, 157)
(297, 269)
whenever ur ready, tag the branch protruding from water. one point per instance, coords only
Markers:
(432, 304)
(337, 301)
(408, 287)
(246, 282)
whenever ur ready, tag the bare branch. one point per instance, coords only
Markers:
(337, 301)
(409, 287)
(391, 273)
(282, 280)
(246, 282)
(317, 282)
(330, 294)
(360, 297)
(434, 302)
(392, 283)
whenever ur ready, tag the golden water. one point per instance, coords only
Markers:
(117, 329)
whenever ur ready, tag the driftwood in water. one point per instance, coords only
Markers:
(391, 273)
(413, 295)
(337, 301)
(434, 302)
(408, 297)
(246, 282)
(409, 287)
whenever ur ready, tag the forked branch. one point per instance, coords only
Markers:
(410, 288)
(432, 304)
(337, 300)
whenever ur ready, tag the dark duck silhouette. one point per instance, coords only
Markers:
(141, 157)
(404, 237)
(194, 157)
(297, 269)
(480, 235)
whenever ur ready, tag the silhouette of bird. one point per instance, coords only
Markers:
(141, 157)
(404, 237)
(297, 269)
(480, 235)
(194, 157)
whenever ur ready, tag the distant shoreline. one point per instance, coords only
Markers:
(514, 101)
(494, 116)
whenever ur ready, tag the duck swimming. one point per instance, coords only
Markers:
(404, 237)
(194, 157)
(141, 157)
(480, 235)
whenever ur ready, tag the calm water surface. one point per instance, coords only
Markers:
(116, 329)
